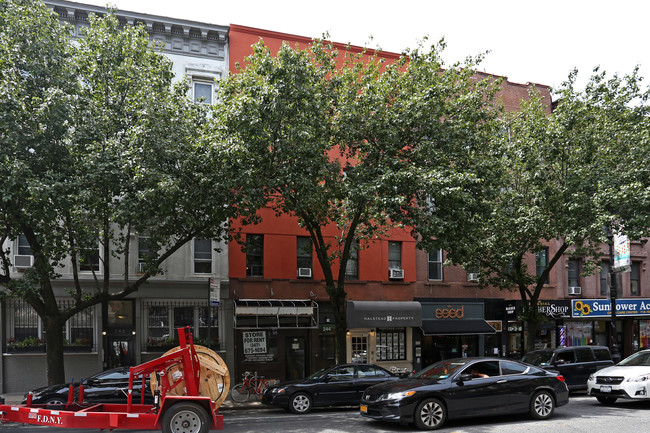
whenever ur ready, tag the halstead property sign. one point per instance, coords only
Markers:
(603, 307)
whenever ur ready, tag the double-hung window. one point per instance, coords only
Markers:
(202, 256)
(304, 254)
(604, 272)
(23, 246)
(202, 92)
(394, 255)
(573, 274)
(435, 264)
(541, 262)
(89, 260)
(634, 279)
(254, 255)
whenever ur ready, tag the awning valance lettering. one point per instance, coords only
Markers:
(383, 314)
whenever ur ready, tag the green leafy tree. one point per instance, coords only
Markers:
(101, 145)
(332, 141)
(553, 181)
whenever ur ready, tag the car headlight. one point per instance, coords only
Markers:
(643, 378)
(278, 390)
(396, 395)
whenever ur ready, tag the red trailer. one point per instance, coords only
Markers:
(189, 413)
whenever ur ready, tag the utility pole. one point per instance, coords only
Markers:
(612, 294)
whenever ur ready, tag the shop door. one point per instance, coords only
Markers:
(360, 348)
(119, 328)
(120, 352)
(295, 360)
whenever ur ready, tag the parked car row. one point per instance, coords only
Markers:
(452, 388)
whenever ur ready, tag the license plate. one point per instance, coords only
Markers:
(364, 408)
(605, 389)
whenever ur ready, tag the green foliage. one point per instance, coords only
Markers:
(97, 143)
(348, 140)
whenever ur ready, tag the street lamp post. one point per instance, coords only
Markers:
(612, 294)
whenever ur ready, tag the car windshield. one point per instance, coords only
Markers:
(320, 373)
(640, 358)
(441, 370)
(538, 358)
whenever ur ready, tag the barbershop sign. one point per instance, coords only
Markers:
(552, 309)
(603, 307)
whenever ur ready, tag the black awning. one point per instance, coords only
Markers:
(383, 314)
(456, 327)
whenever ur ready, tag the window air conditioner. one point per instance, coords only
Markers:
(396, 274)
(472, 276)
(23, 261)
(576, 290)
(304, 272)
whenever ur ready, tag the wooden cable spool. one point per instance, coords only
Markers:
(214, 380)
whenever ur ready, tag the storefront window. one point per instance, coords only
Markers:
(579, 333)
(391, 345)
(644, 334)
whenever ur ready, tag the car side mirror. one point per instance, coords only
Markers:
(465, 377)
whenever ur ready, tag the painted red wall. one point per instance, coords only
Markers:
(280, 250)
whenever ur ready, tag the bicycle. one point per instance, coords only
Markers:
(251, 384)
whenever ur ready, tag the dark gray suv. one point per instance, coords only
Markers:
(576, 364)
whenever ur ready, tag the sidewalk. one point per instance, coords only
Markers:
(228, 404)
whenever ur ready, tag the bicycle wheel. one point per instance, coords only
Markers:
(262, 387)
(239, 393)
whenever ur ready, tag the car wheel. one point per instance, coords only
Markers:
(185, 418)
(542, 405)
(430, 414)
(300, 403)
(606, 400)
(55, 400)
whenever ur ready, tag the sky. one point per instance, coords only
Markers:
(525, 41)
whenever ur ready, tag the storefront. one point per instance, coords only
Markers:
(381, 332)
(550, 330)
(454, 329)
(275, 337)
(591, 320)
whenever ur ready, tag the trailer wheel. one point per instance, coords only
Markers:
(185, 418)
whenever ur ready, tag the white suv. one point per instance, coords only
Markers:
(629, 379)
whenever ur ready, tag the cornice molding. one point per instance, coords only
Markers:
(176, 36)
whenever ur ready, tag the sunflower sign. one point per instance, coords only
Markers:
(603, 307)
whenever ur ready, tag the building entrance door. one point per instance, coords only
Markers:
(296, 366)
(120, 330)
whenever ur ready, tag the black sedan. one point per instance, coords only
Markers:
(466, 387)
(109, 386)
(341, 385)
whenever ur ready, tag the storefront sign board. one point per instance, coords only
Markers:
(602, 307)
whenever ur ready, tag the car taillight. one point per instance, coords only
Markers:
(560, 377)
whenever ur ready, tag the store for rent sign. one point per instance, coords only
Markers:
(254, 342)
(603, 307)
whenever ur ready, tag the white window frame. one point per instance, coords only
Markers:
(196, 260)
(437, 262)
(203, 82)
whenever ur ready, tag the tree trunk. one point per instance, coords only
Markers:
(54, 351)
(337, 298)
(533, 329)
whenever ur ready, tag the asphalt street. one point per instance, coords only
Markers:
(583, 414)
